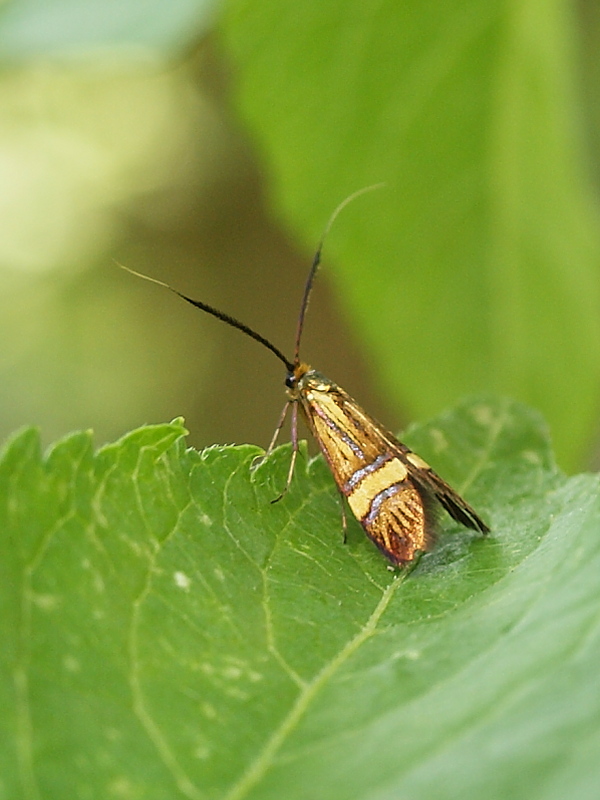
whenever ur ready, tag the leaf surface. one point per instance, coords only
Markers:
(168, 632)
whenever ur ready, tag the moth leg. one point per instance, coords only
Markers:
(344, 517)
(271, 446)
(294, 447)
(259, 459)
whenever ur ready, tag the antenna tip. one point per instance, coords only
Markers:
(141, 275)
(345, 202)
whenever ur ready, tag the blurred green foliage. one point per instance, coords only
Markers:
(479, 266)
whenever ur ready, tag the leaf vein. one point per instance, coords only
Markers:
(265, 759)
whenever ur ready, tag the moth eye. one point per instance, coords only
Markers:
(290, 380)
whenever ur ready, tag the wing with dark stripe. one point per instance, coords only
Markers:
(389, 488)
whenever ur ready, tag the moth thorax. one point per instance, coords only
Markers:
(313, 381)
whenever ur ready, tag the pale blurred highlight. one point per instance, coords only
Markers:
(76, 143)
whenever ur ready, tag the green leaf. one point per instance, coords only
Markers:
(477, 266)
(168, 632)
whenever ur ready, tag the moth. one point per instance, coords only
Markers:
(391, 491)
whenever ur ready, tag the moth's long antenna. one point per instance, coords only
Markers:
(229, 320)
(317, 261)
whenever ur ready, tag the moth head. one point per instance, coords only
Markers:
(295, 379)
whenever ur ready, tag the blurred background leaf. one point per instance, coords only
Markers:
(135, 132)
(34, 28)
(479, 265)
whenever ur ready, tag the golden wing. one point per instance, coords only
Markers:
(389, 489)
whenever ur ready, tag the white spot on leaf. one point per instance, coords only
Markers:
(71, 664)
(46, 602)
(123, 788)
(532, 457)
(234, 673)
(483, 415)
(202, 752)
(182, 580)
(412, 655)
